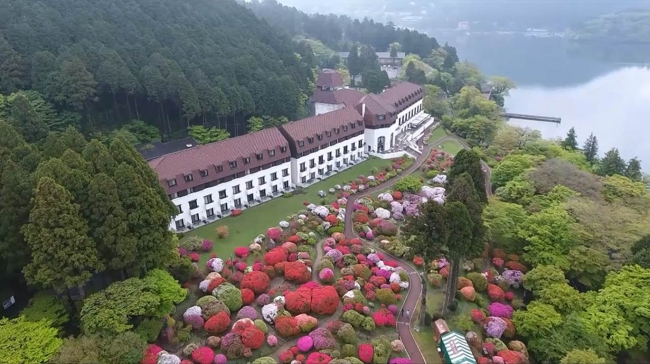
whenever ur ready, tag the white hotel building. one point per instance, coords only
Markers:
(207, 182)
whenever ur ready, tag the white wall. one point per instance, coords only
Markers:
(202, 208)
(320, 108)
(295, 163)
(404, 118)
(394, 155)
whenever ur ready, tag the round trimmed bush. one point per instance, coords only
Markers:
(478, 281)
(256, 281)
(230, 296)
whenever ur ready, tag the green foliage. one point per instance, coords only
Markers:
(537, 320)
(467, 161)
(427, 233)
(23, 341)
(205, 135)
(149, 329)
(590, 149)
(353, 318)
(126, 347)
(549, 238)
(478, 280)
(543, 276)
(582, 357)
(520, 190)
(502, 220)
(461, 323)
(570, 142)
(611, 164)
(229, 295)
(617, 187)
(112, 310)
(511, 166)
(45, 306)
(588, 266)
(408, 184)
(641, 252)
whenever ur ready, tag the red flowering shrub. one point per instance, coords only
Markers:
(489, 348)
(294, 239)
(269, 271)
(375, 222)
(324, 300)
(511, 357)
(236, 212)
(286, 357)
(257, 282)
(217, 323)
(279, 268)
(241, 252)
(484, 360)
(151, 354)
(495, 292)
(298, 301)
(510, 296)
(360, 217)
(464, 282)
(378, 280)
(318, 358)
(498, 262)
(251, 336)
(477, 316)
(296, 272)
(275, 256)
(397, 195)
(274, 233)
(194, 257)
(286, 326)
(203, 355)
(366, 353)
(332, 219)
(247, 296)
(444, 272)
(514, 265)
(418, 261)
(215, 283)
(383, 317)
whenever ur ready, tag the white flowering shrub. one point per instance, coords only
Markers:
(192, 311)
(259, 239)
(338, 187)
(371, 178)
(255, 247)
(346, 188)
(168, 359)
(332, 190)
(439, 199)
(270, 312)
(396, 207)
(284, 224)
(349, 294)
(380, 264)
(441, 178)
(321, 211)
(382, 213)
(362, 187)
(394, 278)
(322, 193)
(203, 286)
(302, 216)
(216, 264)
(342, 201)
(311, 207)
(279, 299)
(212, 275)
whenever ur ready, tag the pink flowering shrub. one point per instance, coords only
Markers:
(273, 233)
(305, 344)
(366, 353)
(241, 252)
(272, 340)
(206, 245)
(326, 275)
(500, 310)
(323, 339)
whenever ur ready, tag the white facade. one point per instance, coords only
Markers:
(208, 203)
(374, 138)
(322, 108)
(309, 167)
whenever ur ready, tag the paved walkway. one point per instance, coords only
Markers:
(415, 289)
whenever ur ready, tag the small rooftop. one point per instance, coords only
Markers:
(346, 96)
(154, 150)
(329, 78)
(400, 91)
(310, 127)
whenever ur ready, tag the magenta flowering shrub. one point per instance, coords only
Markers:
(326, 275)
(373, 258)
(272, 340)
(513, 277)
(392, 309)
(305, 344)
(206, 245)
(263, 299)
(220, 359)
(335, 254)
(495, 327)
(400, 361)
(247, 312)
(500, 310)
(370, 235)
(323, 339)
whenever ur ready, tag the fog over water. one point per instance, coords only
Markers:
(614, 106)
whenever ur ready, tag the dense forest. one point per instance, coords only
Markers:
(339, 32)
(624, 27)
(168, 63)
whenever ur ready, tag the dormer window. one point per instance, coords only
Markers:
(272, 152)
(171, 182)
(259, 156)
(359, 122)
(328, 133)
(188, 178)
(219, 168)
(345, 128)
(282, 149)
(353, 125)
(337, 130)
(381, 117)
(310, 139)
(204, 173)
(233, 164)
(301, 143)
(320, 136)
(246, 160)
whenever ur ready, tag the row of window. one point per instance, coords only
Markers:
(207, 199)
(321, 171)
(301, 143)
(407, 117)
(224, 206)
(321, 159)
(233, 164)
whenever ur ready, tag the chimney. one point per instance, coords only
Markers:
(363, 110)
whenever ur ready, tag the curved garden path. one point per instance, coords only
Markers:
(415, 288)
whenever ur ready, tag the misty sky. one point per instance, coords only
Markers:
(618, 119)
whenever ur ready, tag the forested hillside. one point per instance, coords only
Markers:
(169, 63)
(338, 32)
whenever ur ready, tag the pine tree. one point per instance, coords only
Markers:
(75, 181)
(427, 233)
(467, 161)
(633, 170)
(96, 153)
(148, 218)
(611, 164)
(570, 142)
(461, 242)
(590, 149)
(27, 121)
(108, 223)
(255, 124)
(63, 256)
(355, 65)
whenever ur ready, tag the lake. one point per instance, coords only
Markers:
(603, 89)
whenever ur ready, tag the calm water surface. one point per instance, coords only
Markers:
(603, 90)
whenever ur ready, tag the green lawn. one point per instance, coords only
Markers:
(256, 220)
(436, 134)
(450, 146)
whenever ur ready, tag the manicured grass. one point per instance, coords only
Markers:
(425, 340)
(256, 220)
(451, 146)
(437, 133)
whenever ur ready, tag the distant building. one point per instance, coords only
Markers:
(384, 58)
(463, 25)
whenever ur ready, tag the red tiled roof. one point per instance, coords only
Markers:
(219, 153)
(329, 78)
(376, 105)
(310, 127)
(324, 97)
(401, 91)
(347, 96)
